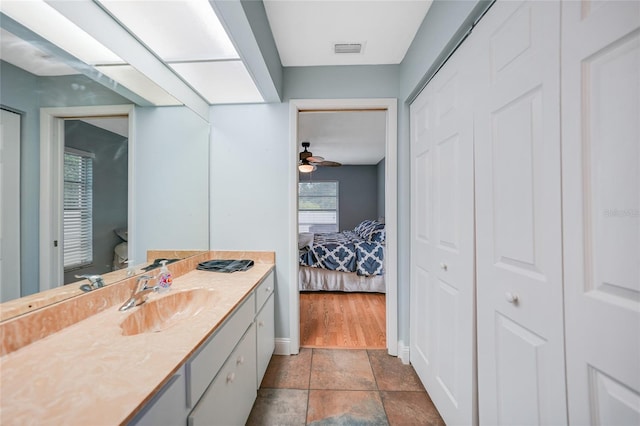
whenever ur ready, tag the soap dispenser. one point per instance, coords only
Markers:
(164, 278)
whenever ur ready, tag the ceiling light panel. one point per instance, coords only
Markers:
(27, 56)
(220, 82)
(48, 23)
(180, 30)
(137, 82)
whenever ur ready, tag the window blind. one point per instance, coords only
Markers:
(318, 206)
(78, 208)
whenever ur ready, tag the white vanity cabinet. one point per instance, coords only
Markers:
(218, 384)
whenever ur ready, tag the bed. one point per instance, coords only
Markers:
(351, 260)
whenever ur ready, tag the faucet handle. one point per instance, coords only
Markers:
(142, 281)
(95, 280)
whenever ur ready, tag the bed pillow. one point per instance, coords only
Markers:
(362, 227)
(377, 236)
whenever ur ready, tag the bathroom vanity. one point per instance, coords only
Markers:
(202, 366)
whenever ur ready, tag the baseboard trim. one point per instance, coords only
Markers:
(283, 346)
(403, 352)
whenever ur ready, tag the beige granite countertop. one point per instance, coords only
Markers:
(90, 374)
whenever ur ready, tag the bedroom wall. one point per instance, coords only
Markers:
(380, 171)
(357, 192)
(110, 190)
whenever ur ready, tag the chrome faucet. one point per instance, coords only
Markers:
(140, 293)
(95, 280)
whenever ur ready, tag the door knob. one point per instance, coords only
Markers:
(511, 297)
(443, 266)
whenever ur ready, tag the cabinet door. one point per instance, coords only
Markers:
(601, 208)
(229, 399)
(442, 252)
(518, 216)
(168, 407)
(204, 365)
(265, 330)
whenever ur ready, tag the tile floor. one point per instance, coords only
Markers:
(342, 387)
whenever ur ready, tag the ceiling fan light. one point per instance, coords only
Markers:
(306, 168)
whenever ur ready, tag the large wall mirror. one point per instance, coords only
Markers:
(148, 179)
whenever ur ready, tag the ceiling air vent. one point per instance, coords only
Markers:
(347, 48)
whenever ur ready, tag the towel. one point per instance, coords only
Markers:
(225, 265)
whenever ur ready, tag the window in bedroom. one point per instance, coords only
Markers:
(78, 208)
(318, 206)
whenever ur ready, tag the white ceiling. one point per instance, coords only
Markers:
(348, 137)
(305, 31)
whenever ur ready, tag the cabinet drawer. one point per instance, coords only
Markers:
(202, 368)
(264, 290)
(265, 330)
(229, 399)
(168, 407)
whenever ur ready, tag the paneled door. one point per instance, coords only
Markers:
(9, 205)
(442, 259)
(601, 203)
(518, 216)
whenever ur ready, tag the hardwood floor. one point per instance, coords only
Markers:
(342, 320)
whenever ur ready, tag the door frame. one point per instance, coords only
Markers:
(391, 208)
(51, 183)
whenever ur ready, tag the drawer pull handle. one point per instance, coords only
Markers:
(231, 377)
(444, 266)
(240, 360)
(268, 289)
(260, 323)
(511, 298)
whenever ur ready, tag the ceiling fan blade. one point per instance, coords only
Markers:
(315, 159)
(328, 164)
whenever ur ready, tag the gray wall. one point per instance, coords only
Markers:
(110, 190)
(19, 90)
(357, 192)
(27, 93)
(380, 172)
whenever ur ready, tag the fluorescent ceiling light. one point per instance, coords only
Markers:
(220, 82)
(185, 30)
(48, 23)
(138, 83)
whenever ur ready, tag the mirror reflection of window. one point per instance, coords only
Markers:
(78, 208)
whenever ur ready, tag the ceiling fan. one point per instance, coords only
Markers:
(309, 162)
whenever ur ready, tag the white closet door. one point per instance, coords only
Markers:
(9, 205)
(601, 203)
(518, 217)
(442, 266)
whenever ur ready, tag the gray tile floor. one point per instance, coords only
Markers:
(342, 387)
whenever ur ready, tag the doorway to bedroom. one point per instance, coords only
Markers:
(345, 284)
